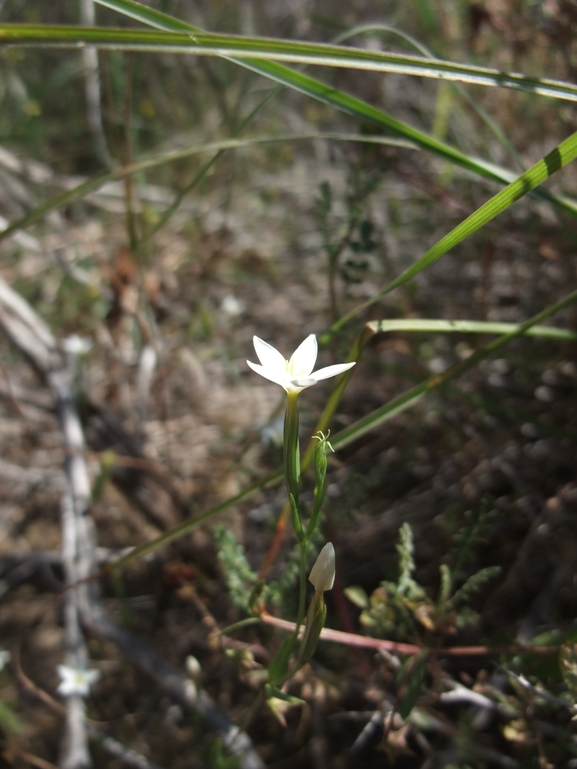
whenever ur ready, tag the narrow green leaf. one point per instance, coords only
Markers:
(278, 667)
(342, 101)
(467, 327)
(412, 396)
(146, 164)
(187, 525)
(411, 680)
(562, 154)
(201, 43)
(357, 596)
(362, 29)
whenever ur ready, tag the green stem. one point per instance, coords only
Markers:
(303, 586)
(292, 461)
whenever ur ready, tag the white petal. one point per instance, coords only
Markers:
(322, 574)
(273, 375)
(92, 676)
(303, 359)
(270, 357)
(329, 371)
(301, 383)
(65, 672)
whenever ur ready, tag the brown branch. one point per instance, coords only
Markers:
(396, 647)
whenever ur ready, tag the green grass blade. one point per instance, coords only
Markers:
(420, 325)
(363, 111)
(295, 52)
(185, 526)
(412, 396)
(467, 327)
(342, 101)
(562, 154)
(363, 29)
(146, 164)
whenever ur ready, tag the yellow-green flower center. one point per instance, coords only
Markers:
(293, 372)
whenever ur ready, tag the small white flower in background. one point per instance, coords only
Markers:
(322, 574)
(297, 373)
(77, 345)
(232, 306)
(193, 668)
(5, 657)
(75, 681)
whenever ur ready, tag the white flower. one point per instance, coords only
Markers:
(297, 373)
(322, 574)
(77, 345)
(75, 681)
(232, 306)
(5, 657)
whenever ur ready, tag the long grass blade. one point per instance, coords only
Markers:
(562, 154)
(147, 164)
(271, 49)
(497, 131)
(187, 525)
(412, 396)
(341, 101)
(467, 327)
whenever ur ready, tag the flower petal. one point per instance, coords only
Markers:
(271, 374)
(303, 359)
(303, 382)
(92, 676)
(329, 371)
(269, 356)
(322, 574)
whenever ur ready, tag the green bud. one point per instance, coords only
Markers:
(320, 458)
(314, 623)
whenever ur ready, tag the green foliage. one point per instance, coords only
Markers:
(105, 468)
(243, 583)
(403, 610)
(240, 578)
(410, 680)
(347, 237)
(218, 758)
(278, 668)
(9, 721)
(479, 525)
(568, 660)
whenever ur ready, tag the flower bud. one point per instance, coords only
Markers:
(320, 458)
(322, 574)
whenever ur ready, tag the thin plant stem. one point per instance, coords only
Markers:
(291, 447)
(303, 587)
(128, 180)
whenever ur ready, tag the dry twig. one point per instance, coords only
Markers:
(32, 337)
